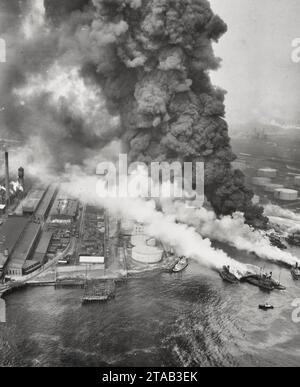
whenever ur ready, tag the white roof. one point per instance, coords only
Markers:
(268, 170)
(91, 259)
(287, 191)
(2, 206)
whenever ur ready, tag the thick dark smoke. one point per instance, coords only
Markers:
(159, 55)
(151, 60)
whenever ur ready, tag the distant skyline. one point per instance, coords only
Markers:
(262, 81)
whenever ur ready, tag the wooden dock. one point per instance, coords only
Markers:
(98, 292)
(70, 283)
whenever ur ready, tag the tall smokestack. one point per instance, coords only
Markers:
(7, 179)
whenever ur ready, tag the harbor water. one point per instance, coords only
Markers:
(156, 319)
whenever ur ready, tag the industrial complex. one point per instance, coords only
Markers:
(269, 184)
(41, 227)
(272, 179)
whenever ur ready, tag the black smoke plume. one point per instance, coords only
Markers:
(151, 59)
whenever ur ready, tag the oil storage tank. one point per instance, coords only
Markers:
(272, 187)
(261, 181)
(147, 254)
(267, 172)
(297, 181)
(285, 194)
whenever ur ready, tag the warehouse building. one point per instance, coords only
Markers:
(41, 250)
(32, 201)
(46, 203)
(64, 209)
(10, 233)
(92, 260)
(23, 250)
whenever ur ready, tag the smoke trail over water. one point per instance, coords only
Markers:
(183, 238)
(232, 230)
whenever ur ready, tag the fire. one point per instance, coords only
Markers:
(16, 187)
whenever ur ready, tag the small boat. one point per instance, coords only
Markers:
(261, 281)
(296, 273)
(294, 239)
(266, 306)
(277, 242)
(181, 265)
(227, 276)
(279, 286)
(170, 262)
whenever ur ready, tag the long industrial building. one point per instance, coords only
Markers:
(23, 250)
(46, 203)
(10, 233)
(40, 254)
(33, 200)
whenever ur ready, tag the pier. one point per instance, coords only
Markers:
(97, 292)
(70, 283)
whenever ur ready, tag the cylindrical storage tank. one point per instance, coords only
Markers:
(286, 194)
(261, 181)
(297, 181)
(139, 240)
(147, 254)
(272, 187)
(127, 226)
(241, 165)
(267, 172)
(151, 242)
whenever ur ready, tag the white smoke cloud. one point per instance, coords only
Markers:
(68, 90)
(232, 230)
(273, 210)
(184, 239)
(286, 220)
(35, 18)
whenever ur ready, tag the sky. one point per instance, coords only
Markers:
(262, 81)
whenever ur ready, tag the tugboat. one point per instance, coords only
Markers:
(227, 276)
(263, 281)
(266, 306)
(278, 285)
(276, 241)
(296, 272)
(170, 263)
(294, 239)
(181, 265)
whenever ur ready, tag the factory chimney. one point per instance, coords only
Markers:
(7, 179)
